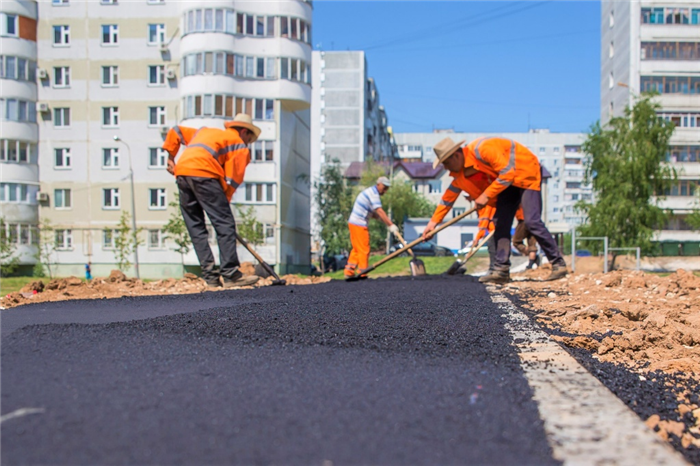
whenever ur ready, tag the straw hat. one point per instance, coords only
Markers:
(444, 149)
(244, 121)
(384, 180)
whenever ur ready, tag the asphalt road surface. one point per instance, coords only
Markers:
(388, 371)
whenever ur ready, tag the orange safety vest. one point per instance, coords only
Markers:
(508, 161)
(210, 153)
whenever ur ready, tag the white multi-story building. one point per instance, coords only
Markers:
(348, 124)
(19, 170)
(119, 75)
(655, 46)
(559, 153)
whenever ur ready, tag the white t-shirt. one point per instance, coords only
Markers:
(367, 201)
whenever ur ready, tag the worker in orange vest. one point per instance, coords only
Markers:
(516, 175)
(208, 172)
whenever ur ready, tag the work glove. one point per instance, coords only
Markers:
(394, 229)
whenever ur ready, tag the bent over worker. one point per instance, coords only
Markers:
(517, 176)
(208, 173)
(368, 204)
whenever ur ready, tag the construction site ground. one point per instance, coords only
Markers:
(419, 349)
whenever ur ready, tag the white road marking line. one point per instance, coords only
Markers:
(20, 412)
(585, 423)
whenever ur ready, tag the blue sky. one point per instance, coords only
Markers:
(474, 66)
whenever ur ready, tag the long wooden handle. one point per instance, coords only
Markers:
(403, 241)
(265, 265)
(419, 240)
(474, 250)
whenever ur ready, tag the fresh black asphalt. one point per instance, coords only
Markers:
(389, 371)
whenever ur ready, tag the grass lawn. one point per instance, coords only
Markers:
(11, 284)
(399, 266)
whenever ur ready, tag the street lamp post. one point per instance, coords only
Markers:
(133, 207)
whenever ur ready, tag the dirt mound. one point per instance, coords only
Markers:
(117, 285)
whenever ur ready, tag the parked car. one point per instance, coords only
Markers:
(583, 253)
(426, 248)
(333, 263)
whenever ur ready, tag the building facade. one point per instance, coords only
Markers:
(19, 136)
(118, 76)
(655, 46)
(559, 153)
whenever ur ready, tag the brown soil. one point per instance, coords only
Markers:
(643, 321)
(118, 285)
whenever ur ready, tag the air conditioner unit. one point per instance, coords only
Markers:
(42, 73)
(42, 107)
(42, 197)
(164, 47)
(170, 74)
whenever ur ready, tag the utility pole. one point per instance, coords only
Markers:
(133, 207)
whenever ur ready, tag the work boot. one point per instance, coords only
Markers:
(213, 282)
(495, 277)
(558, 271)
(239, 280)
(538, 260)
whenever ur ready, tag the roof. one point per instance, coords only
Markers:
(415, 170)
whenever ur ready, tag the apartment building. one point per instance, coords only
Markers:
(655, 46)
(116, 76)
(19, 169)
(559, 153)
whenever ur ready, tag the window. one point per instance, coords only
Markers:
(456, 211)
(17, 68)
(260, 193)
(14, 192)
(156, 2)
(670, 51)
(16, 151)
(110, 76)
(108, 236)
(59, 2)
(158, 158)
(156, 116)
(62, 199)
(158, 199)
(156, 75)
(64, 239)
(61, 76)
(110, 116)
(611, 50)
(156, 239)
(573, 185)
(61, 158)
(61, 117)
(110, 158)
(434, 186)
(671, 84)
(110, 198)
(8, 27)
(110, 34)
(156, 34)
(17, 110)
(108, 2)
(611, 81)
(227, 105)
(611, 20)
(61, 35)
(262, 151)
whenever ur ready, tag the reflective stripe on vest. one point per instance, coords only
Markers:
(226, 150)
(446, 204)
(454, 189)
(206, 148)
(232, 183)
(178, 131)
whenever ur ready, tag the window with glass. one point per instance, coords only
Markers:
(670, 15)
(210, 19)
(110, 34)
(110, 157)
(62, 198)
(156, 239)
(156, 116)
(61, 35)
(60, 2)
(158, 157)
(61, 117)
(110, 116)
(17, 110)
(156, 34)
(683, 154)
(61, 76)
(17, 68)
(108, 237)
(259, 193)
(262, 151)
(221, 105)
(670, 51)
(156, 75)
(8, 25)
(671, 84)
(62, 158)
(110, 198)
(158, 199)
(110, 76)
(12, 150)
(64, 239)
(224, 63)
(14, 192)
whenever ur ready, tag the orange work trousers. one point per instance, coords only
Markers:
(359, 256)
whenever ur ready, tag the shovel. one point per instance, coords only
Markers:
(456, 265)
(417, 265)
(277, 280)
(410, 245)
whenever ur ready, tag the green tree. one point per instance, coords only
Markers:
(124, 241)
(8, 260)
(626, 168)
(334, 201)
(405, 202)
(45, 249)
(248, 226)
(176, 230)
